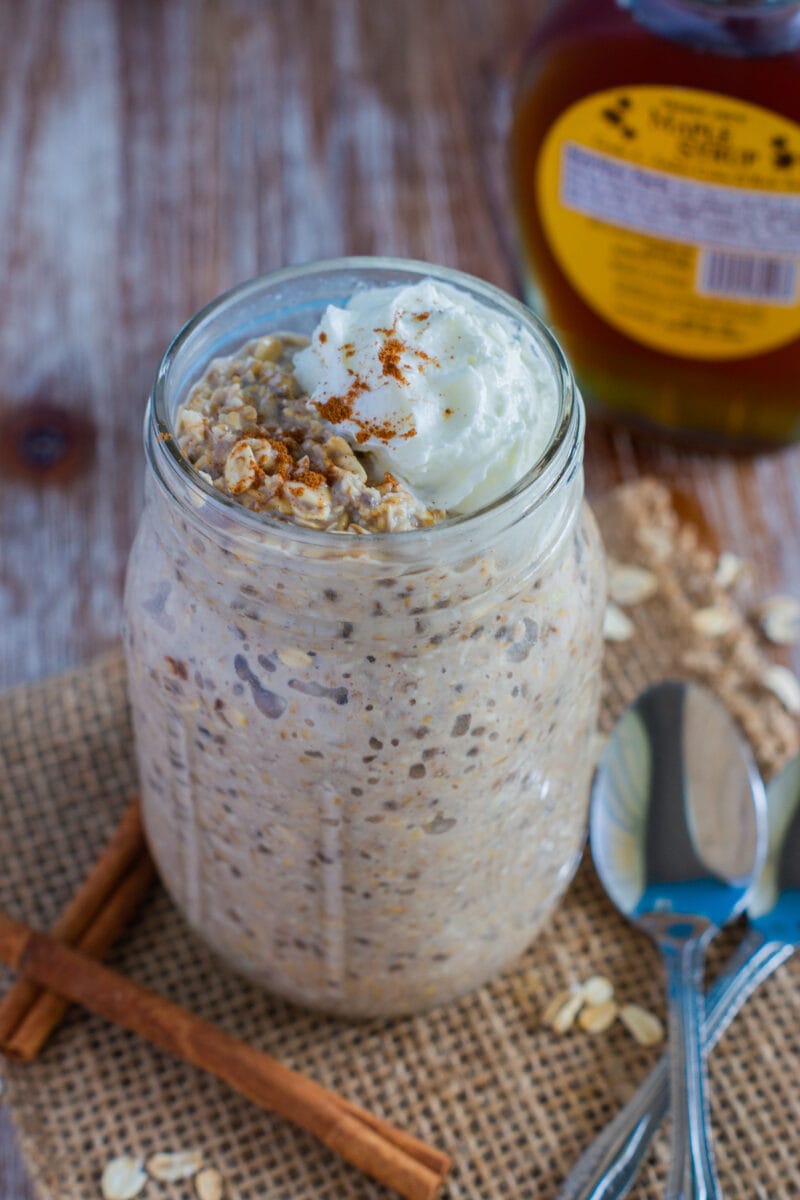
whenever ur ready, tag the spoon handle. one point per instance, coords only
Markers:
(608, 1167)
(692, 1174)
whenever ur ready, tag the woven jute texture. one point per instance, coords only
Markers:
(513, 1102)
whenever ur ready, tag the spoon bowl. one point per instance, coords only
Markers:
(677, 831)
(677, 810)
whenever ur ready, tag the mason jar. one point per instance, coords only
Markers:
(364, 758)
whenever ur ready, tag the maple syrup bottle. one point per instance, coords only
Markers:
(655, 163)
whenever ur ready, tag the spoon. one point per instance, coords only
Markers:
(678, 833)
(608, 1167)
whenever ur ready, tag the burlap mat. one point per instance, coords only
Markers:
(513, 1102)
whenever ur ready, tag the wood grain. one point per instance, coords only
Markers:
(151, 155)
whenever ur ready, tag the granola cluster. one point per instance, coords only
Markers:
(248, 430)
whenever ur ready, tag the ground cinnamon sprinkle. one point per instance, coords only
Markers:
(383, 431)
(311, 479)
(340, 408)
(390, 356)
(285, 462)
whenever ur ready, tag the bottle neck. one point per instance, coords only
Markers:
(735, 27)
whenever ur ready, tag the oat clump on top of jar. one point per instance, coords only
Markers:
(250, 432)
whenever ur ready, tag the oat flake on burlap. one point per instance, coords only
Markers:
(513, 1102)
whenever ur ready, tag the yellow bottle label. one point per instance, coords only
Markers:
(675, 215)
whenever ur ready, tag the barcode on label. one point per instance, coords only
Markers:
(748, 277)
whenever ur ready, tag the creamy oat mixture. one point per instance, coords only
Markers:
(364, 773)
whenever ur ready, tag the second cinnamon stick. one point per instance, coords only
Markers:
(126, 845)
(48, 1008)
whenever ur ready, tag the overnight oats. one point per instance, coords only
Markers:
(363, 629)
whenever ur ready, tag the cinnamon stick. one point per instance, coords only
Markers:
(45, 1014)
(40, 1021)
(126, 845)
(343, 1128)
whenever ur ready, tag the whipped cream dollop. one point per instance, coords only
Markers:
(447, 394)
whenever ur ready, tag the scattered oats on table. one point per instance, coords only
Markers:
(784, 684)
(617, 627)
(174, 1166)
(713, 621)
(629, 583)
(555, 1004)
(566, 1007)
(563, 1009)
(597, 990)
(645, 1026)
(123, 1178)
(597, 1018)
(208, 1184)
(730, 568)
(593, 1006)
(779, 618)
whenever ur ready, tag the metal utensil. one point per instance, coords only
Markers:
(608, 1167)
(678, 825)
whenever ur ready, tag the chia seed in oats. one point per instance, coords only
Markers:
(364, 761)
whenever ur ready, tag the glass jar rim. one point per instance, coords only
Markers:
(175, 472)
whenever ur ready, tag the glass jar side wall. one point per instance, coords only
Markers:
(372, 814)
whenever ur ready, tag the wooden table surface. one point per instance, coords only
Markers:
(152, 155)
